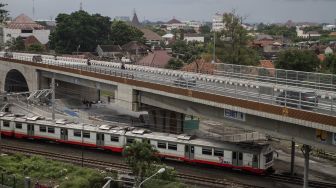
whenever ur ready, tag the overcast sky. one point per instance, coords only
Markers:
(267, 11)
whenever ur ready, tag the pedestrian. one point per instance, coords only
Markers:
(88, 61)
(123, 65)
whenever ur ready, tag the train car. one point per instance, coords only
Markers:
(251, 157)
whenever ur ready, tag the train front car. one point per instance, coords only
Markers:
(267, 159)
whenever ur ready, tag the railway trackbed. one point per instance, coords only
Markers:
(123, 168)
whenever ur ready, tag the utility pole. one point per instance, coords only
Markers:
(214, 49)
(53, 96)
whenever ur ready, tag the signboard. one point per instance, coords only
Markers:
(321, 135)
(234, 115)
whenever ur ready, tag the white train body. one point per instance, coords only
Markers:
(253, 157)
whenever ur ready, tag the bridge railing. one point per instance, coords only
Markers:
(263, 94)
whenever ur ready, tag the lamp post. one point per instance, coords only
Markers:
(82, 149)
(214, 50)
(158, 172)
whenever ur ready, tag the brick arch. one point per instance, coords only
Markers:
(15, 81)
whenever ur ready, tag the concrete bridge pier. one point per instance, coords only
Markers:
(127, 97)
(292, 159)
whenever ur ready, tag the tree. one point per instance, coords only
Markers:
(15, 44)
(187, 52)
(122, 33)
(205, 29)
(140, 156)
(3, 13)
(174, 64)
(231, 46)
(79, 29)
(299, 60)
(330, 64)
(35, 48)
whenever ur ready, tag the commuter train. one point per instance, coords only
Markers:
(251, 157)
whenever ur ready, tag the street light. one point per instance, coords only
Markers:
(158, 172)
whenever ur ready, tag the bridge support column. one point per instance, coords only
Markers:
(165, 120)
(127, 97)
(306, 151)
(292, 158)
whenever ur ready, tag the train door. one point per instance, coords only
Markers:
(100, 139)
(64, 134)
(234, 158)
(189, 152)
(240, 159)
(30, 129)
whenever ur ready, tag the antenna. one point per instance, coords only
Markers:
(81, 5)
(33, 9)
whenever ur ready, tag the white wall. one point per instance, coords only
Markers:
(41, 35)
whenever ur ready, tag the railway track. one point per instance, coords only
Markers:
(121, 168)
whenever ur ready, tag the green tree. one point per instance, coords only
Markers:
(187, 52)
(174, 64)
(231, 46)
(79, 29)
(3, 13)
(122, 33)
(205, 29)
(299, 60)
(140, 156)
(35, 48)
(330, 64)
(15, 44)
(288, 32)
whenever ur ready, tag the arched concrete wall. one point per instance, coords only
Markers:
(29, 73)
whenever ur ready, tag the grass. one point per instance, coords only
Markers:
(49, 172)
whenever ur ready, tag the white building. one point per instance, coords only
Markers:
(193, 24)
(329, 28)
(168, 38)
(23, 26)
(217, 22)
(311, 34)
(174, 24)
(193, 38)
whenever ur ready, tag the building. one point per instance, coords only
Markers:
(328, 51)
(217, 22)
(196, 25)
(168, 38)
(311, 34)
(329, 27)
(174, 24)
(109, 51)
(152, 38)
(191, 37)
(23, 26)
(159, 58)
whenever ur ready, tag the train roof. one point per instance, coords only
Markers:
(115, 129)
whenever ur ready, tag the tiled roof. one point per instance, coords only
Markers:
(158, 58)
(135, 45)
(24, 22)
(332, 34)
(135, 20)
(150, 35)
(268, 64)
(174, 21)
(31, 40)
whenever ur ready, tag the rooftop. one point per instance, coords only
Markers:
(24, 22)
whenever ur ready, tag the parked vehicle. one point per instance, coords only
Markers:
(304, 100)
(8, 55)
(185, 81)
(37, 58)
(252, 157)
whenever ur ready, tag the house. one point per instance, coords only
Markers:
(269, 67)
(332, 34)
(110, 51)
(152, 38)
(263, 40)
(201, 66)
(31, 40)
(23, 26)
(300, 33)
(329, 27)
(174, 24)
(135, 50)
(168, 38)
(159, 58)
(191, 37)
(195, 25)
(328, 50)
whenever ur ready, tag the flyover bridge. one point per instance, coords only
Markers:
(244, 96)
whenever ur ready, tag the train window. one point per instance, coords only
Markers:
(162, 145)
(77, 133)
(86, 134)
(172, 146)
(234, 155)
(240, 156)
(269, 157)
(43, 128)
(6, 123)
(51, 130)
(129, 140)
(206, 151)
(18, 125)
(114, 138)
(218, 153)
